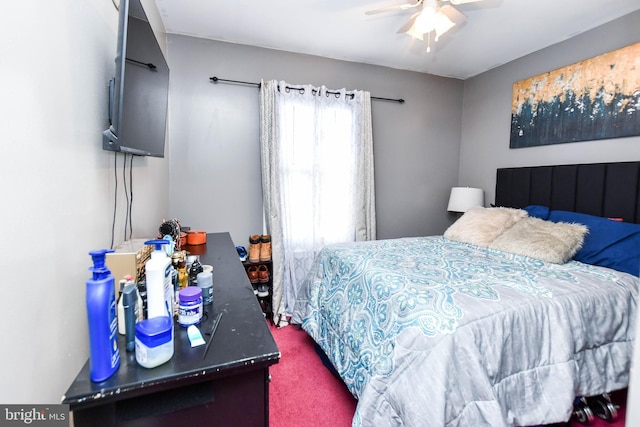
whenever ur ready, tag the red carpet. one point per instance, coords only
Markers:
(304, 393)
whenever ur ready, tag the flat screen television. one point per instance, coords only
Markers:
(139, 92)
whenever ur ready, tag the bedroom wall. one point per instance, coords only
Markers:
(215, 152)
(486, 119)
(58, 188)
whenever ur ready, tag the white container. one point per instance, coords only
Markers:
(154, 341)
(160, 292)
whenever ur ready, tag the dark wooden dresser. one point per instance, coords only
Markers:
(228, 387)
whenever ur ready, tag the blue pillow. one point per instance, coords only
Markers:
(609, 243)
(538, 211)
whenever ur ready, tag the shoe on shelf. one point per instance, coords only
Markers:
(242, 253)
(252, 272)
(263, 291)
(265, 247)
(263, 274)
(254, 248)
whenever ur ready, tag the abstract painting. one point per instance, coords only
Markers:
(598, 98)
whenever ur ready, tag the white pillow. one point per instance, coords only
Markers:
(555, 242)
(480, 226)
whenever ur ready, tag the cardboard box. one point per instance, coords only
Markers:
(128, 259)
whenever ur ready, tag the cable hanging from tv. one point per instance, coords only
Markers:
(146, 64)
(215, 79)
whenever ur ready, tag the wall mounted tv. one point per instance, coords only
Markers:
(138, 94)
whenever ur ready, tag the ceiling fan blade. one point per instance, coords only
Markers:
(392, 8)
(453, 14)
(463, 1)
(407, 25)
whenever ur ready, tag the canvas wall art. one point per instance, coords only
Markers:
(598, 98)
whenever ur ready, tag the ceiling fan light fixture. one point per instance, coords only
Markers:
(443, 24)
(431, 19)
(425, 22)
(413, 32)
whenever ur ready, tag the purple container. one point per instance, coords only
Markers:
(189, 306)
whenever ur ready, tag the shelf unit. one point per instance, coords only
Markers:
(266, 301)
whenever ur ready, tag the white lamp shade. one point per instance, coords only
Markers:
(464, 198)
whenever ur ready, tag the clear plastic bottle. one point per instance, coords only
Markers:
(104, 356)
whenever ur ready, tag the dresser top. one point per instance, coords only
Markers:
(242, 340)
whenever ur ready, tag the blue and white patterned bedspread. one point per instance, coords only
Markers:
(429, 332)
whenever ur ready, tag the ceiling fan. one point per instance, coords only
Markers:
(431, 16)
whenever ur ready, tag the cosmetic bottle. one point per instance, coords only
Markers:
(129, 281)
(120, 312)
(130, 310)
(104, 356)
(160, 292)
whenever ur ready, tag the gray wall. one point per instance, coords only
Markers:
(215, 152)
(486, 119)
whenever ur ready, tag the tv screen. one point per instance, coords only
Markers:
(140, 89)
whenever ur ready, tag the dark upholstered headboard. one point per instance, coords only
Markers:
(601, 189)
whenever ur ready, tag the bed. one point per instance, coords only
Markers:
(496, 322)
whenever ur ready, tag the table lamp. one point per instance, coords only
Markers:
(464, 198)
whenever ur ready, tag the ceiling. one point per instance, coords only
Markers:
(495, 32)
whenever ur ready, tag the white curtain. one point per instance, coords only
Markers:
(317, 177)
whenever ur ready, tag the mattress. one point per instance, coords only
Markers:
(425, 331)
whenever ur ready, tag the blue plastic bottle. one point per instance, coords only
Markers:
(104, 356)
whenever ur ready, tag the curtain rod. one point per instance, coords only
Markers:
(217, 79)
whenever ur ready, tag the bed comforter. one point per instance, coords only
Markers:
(430, 332)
